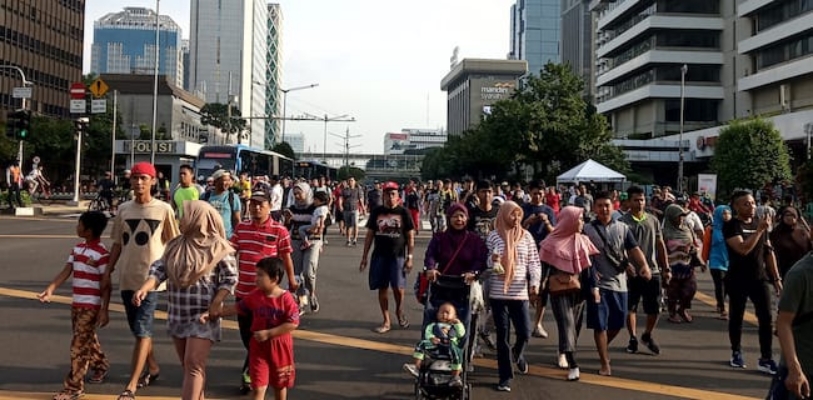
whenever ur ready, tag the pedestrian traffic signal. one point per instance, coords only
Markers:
(11, 126)
(81, 124)
(23, 118)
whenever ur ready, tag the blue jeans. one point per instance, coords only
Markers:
(505, 313)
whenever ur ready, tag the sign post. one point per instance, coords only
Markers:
(78, 102)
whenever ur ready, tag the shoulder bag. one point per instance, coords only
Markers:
(618, 261)
(422, 282)
(561, 282)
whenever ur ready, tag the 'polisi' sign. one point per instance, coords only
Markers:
(144, 146)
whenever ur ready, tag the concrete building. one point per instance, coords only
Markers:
(273, 77)
(124, 43)
(535, 30)
(577, 40)
(44, 39)
(185, 61)
(228, 64)
(412, 141)
(474, 85)
(641, 46)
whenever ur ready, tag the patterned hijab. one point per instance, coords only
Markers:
(566, 249)
(672, 228)
(510, 237)
(200, 246)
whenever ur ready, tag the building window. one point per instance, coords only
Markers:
(780, 13)
(783, 52)
(694, 110)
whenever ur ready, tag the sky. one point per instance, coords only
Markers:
(380, 62)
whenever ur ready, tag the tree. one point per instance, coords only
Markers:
(348, 171)
(748, 154)
(217, 115)
(285, 149)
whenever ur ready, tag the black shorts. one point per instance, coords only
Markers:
(646, 292)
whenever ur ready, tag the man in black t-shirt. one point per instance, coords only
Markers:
(390, 227)
(752, 269)
(482, 216)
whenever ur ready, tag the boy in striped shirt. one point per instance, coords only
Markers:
(87, 264)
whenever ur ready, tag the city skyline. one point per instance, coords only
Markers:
(384, 74)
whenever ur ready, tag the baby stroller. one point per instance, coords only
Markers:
(435, 372)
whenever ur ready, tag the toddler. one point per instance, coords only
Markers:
(444, 335)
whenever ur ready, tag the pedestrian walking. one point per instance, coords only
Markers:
(89, 308)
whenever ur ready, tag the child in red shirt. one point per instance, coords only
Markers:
(275, 315)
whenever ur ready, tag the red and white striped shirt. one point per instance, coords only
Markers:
(89, 262)
(254, 242)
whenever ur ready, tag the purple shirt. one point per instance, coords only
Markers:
(471, 258)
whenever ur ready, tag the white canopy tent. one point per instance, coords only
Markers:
(590, 171)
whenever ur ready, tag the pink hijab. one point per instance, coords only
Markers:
(566, 248)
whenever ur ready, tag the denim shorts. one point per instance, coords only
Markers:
(387, 271)
(608, 315)
(140, 318)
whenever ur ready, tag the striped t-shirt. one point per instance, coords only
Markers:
(89, 262)
(254, 242)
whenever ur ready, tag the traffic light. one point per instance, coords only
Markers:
(81, 124)
(23, 118)
(11, 125)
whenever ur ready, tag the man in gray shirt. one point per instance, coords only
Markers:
(607, 312)
(647, 232)
(349, 205)
(794, 327)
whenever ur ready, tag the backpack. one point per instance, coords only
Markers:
(208, 195)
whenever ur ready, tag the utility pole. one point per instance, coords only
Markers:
(346, 145)
(326, 119)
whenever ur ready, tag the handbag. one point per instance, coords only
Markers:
(422, 282)
(562, 282)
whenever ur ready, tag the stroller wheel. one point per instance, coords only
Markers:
(418, 394)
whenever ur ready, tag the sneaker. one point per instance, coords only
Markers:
(355, 242)
(632, 347)
(540, 331)
(504, 387)
(412, 369)
(246, 378)
(736, 360)
(573, 374)
(522, 366)
(456, 381)
(767, 367)
(651, 344)
(314, 304)
(347, 244)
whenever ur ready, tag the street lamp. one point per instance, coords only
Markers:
(683, 71)
(285, 102)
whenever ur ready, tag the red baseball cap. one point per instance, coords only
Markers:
(143, 168)
(390, 186)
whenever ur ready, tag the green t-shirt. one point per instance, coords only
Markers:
(796, 299)
(183, 194)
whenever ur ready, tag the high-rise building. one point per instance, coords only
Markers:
(185, 62)
(43, 39)
(273, 78)
(535, 30)
(641, 48)
(411, 141)
(228, 52)
(577, 40)
(124, 43)
(297, 141)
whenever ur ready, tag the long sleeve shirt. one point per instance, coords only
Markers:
(527, 268)
(441, 249)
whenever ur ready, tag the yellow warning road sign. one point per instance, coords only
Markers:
(98, 87)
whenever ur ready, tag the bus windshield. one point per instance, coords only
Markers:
(207, 166)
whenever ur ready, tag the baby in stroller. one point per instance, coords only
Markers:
(442, 337)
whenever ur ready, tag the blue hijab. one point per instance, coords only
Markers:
(718, 255)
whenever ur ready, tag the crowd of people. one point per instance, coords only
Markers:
(594, 256)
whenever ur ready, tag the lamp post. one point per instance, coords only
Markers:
(285, 102)
(155, 81)
(683, 71)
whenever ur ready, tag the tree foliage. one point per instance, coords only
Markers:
(285, 149)
(546, 125)
(348, 171)
(217, 115)
(748, 154)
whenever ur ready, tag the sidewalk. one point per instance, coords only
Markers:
(55, 209)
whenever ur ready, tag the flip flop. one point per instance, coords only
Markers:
(674, 319)
(381, 329)
(147, 379)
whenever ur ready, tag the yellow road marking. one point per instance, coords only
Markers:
(749, 317)
(335, 340)
(10, 395)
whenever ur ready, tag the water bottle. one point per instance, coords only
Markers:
(497, 265)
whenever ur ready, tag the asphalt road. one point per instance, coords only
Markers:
(337, 354)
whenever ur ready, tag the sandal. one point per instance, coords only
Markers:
(66, 395)
(674, 319)
(127, 395)
(147, 379)
(685, 315)
(403, 322)
(382, 329)
(98, 377)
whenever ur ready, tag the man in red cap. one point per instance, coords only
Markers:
(390, 227)
(141, 229)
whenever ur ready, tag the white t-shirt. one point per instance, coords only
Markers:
(319, 213)
(276, 197)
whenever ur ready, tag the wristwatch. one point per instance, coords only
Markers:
(409, 256)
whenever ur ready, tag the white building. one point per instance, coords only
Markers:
(228, 49)
(409, 140)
